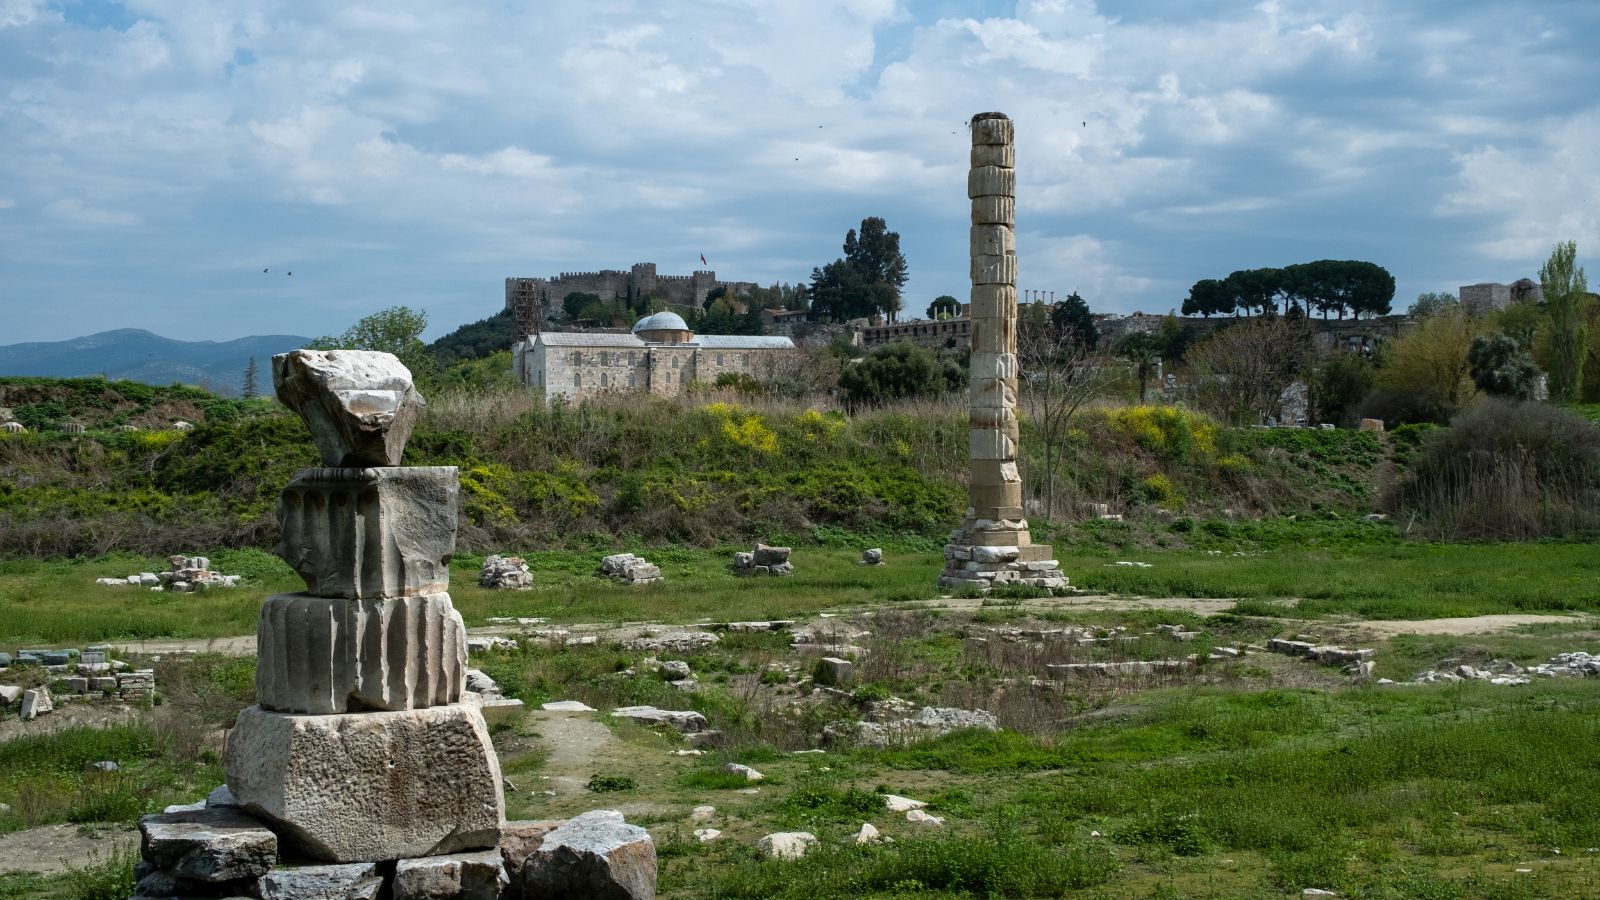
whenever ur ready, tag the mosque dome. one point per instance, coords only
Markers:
(661, 321)
(663, 327)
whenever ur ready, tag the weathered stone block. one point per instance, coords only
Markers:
(985, 181)
(359, 404)
(991, 443)
(994, 155)
(370, 532)
(991, 301)
(1001, 269)
(993, 240)
(320, 655)
(595, 855)
(990, 364)
(369, 786)
(458, 876)
(833, 672)
(35, 703)
(994, 210)
(209, 845)
(991, 128)
(347, 881)
(518, 841)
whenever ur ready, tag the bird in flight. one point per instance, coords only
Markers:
(263, 271)
(291, 274)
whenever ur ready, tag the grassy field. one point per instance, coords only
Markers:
(1256, 777)
(1365, 572)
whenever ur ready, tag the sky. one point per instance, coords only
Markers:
(157, 155)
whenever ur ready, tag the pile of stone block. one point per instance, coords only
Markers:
(1576, 664)
(1124, 669)
(1353, 662)
(77, 675)
(629, 569)
(764, 560)
(502, 572)
(216, 848)
(882, 728)
(187, 573)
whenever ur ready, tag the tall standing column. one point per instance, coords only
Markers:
(993, 545)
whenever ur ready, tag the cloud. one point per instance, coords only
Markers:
(71, 209)
(411, 153)
(16, 13)
(1530, 195)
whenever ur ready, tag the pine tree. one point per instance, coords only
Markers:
(250, 390)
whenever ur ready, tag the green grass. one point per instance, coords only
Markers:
(43, 778)
(1332, 571)
(1398, 580)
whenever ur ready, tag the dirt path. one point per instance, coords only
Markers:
(52, 849)
(1469, 624)
(575, 741)
(1201, 606)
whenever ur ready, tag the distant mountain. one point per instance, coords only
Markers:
(138, 355)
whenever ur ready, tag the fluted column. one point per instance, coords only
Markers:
(993, 545)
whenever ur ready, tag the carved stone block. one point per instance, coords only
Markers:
(991, 301)
(359, 404)
(320, 655)
(991, 128)
(993, 240)
(984, 181)
(994, 155)
(370, 786)
(994, 269)
(382, 532)
(994, 211)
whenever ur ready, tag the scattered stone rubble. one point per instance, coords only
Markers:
(1353, 662)
(78, 676)
(188, 573)
(629, 569)
(764, 560)
(787, 844)
(215, 848)
(672, 642)
(505, 573)
(1576, 664)
(492, 701)
(928, 722)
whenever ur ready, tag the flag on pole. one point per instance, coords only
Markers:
(703, 260)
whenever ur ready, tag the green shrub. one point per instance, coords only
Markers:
(604, 784)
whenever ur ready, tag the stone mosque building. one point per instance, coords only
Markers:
(660, 356)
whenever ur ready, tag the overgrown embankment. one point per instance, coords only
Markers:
(648, 470)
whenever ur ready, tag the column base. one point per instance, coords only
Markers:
(986, 554)
(365, 787)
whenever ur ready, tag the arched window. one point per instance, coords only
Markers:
(577, 379)
(577, 357)
(633, 382)
(604, 381)
(719, 359)
(666, 377)
(674, 362)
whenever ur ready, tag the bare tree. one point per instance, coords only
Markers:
(1239, 373)
(1060, 374)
